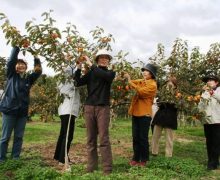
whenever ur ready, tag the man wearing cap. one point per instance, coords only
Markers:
(141, 111)
(210, 103)
(15, 102)
(97, 109)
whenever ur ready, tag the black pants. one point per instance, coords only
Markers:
(212, 134)
(140, 130)
(61, 143)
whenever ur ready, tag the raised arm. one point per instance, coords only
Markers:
(98, 72)
(146, 90)
(37, 71)
(80, 81)
(105, 75)
(216, 94)
(11, 63)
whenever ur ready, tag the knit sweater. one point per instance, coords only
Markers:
(141, 104)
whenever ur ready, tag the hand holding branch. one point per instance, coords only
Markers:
(127, 76)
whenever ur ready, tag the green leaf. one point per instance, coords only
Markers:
(8, 42)
(27, 24)
(44, 14)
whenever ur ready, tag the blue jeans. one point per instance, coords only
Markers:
(10, 123)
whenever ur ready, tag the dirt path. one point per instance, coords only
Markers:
(78, 152)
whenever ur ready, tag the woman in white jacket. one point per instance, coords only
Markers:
(69, 109)
(210, 103)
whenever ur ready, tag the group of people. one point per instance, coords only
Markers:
(15, 101)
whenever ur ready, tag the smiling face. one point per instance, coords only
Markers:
(146, 74)
(212, 83)
(20, 67)
(103, 60)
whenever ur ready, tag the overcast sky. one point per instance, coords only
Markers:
(138, 26)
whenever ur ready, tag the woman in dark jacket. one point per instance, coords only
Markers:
(165, 118)
(15, 102)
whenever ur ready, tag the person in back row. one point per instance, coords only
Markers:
(165, 118)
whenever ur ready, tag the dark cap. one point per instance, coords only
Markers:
(210, 77)
(150, 67)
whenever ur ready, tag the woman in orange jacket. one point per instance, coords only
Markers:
(141, 111)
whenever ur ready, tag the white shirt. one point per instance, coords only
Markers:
(71, 103)
(211, 106)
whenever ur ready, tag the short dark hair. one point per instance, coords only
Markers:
(22, 61)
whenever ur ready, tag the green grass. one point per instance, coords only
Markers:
(188, 162)
(192, 131)
(41, 132)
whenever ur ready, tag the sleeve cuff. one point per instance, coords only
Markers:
(93, 66)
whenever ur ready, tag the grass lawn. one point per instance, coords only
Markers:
(188, 161)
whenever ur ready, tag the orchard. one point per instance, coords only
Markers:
(59, 48)
(66, 47)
